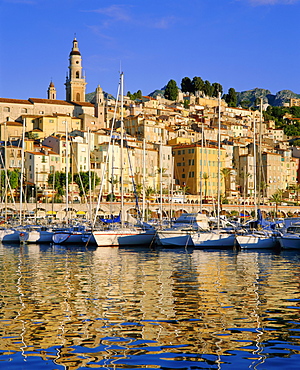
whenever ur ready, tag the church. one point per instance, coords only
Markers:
(36, 112)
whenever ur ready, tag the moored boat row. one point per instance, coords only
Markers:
(189, 230)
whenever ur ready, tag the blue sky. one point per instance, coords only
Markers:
(239, 43)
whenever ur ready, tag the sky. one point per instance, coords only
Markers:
(242, 44)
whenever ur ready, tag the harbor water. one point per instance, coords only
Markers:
(130, 308)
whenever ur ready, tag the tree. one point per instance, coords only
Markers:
(135, 96)
(59, 182)
(296, 187)
(186, 85)
(186, 104)
(82, 179)
(207, 88)
(231, 97)
(277, 199)
(263, 187)
(171, 91)
(216, 89)
(113, 181)
(205, 178)
(149, 192)
(198, 84)
(245, 104)
(13, 179)
(226, 172)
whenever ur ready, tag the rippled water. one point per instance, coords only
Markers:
(111, 308)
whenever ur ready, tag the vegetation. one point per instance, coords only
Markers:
(197, 84)
(231, 97)
(82, 179)
(13, 178)
(59, 179)
(171, 91)
(135, 96)
(287, 118)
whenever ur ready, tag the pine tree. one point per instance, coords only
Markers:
(186, 85)
(171, 91)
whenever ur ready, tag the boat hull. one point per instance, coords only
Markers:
(256, 242)
(213, 240)
(67, 238)
(173, 238)
(36, 237)
(123, 237)
(9, 236)
(290, 241)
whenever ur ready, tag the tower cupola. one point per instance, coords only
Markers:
(75, 81)
(51, 91)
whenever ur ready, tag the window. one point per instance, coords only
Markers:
(183, 175)
(6, 109)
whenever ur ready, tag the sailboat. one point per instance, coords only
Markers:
(218, 238)
(121, 234)
(264, 236)
(179, 235)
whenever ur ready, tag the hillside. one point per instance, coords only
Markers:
(276, 100)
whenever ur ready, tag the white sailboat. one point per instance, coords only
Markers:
(291, 238)
(121, 234)
(266, 238)
(218, 238)
(179, 235)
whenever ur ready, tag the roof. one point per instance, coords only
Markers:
(12, 123)
(48, 101)
(82, 104)
(14, 101)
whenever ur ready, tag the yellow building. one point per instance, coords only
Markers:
(10, 131)
(197, 168)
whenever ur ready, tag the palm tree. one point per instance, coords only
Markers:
(226, 172)
(111, 197)
(263, 187)
(138, 189)
(149, 192)
(245, 176)
(205, 178)
(277, 199)
(296, 187)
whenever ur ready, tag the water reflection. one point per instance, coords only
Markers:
(116, 308)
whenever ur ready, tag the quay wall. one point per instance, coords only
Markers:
(114, 208)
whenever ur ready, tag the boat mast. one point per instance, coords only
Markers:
(22, 172)
(160, 184)
(254, 165)
(219, 161)
(67, 173)
(144, 176)
(259, 154)
(201, 168)
(122, 146)
(5, 171)
(90, 178)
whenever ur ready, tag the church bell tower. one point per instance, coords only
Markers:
(75, 81)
